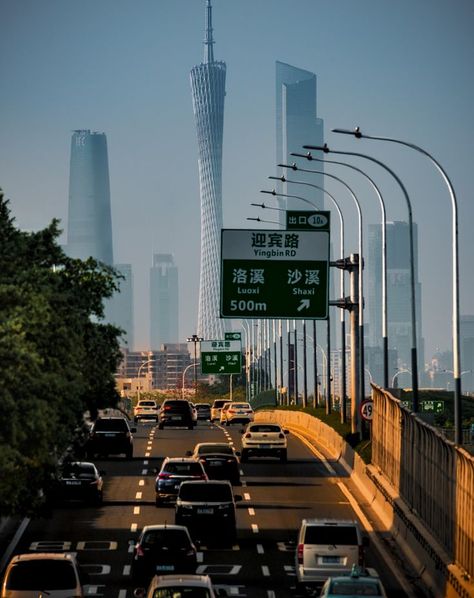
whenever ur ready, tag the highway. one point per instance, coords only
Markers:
(275, 497)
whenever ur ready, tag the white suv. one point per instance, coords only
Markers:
(327, 548)
(145, 409)
(239, 413)
(260, 439)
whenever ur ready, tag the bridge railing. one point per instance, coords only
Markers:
(432, 475)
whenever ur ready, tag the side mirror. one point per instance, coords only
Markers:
(139, 592)
(237, 497)
(286, 431)
(237, 453)
(188, 454)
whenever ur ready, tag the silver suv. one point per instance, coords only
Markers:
(327, 548)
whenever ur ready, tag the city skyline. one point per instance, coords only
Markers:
(164, 301)
(136, 90)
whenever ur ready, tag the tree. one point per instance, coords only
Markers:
(58, 358)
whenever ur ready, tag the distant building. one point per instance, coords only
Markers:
(398, 296)
(119, 308)
(208, 92)
(89, 227)
(164, 298)
(466, 330)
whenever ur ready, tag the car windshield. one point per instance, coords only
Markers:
(215, 448)
(345, 535)
(183, 468)
(205, 492)
(41, 575)
(165, 538)
(104, 425)
(76, 470)
(268, 428)
(181, 591)
(354, 588)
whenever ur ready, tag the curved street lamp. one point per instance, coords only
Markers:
(142, 365)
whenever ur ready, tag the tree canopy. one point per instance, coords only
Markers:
(58, 357)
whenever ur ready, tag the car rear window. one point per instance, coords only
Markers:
(183, 468)
(40, 575)
(240, 406)
(78, 471)
(338, 535)
(165, 538)
(176, 405)
(355, 588)
(147, 404)
(218, 404)
(111, 424)
(205, 492)
(217, 448)
(264, 428)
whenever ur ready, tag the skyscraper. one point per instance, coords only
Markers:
(297, 124)
(89, 228)
(163, 301)
(119, 308)
(208, 91)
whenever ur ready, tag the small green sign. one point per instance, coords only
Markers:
(233, 336)
(427, 406)
(221, 357)
(308, 220)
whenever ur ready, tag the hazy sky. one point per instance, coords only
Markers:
(402, 69)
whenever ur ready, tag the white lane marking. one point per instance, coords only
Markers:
(315, 452)
(260, 549)
(126, 570)
(92, 589)
(255, 528)
(145, 462)
(244, 483)
(270, 594)
(122, 594)
(141, 483)
(380, 547)
(144, 471)
(199, 556)
(147, 454)
(246, 496)
(134, 527)
(136, 510)
(265, 571)
(251, 512)
(131, 546)
(138, 495)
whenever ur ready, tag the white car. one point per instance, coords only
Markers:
(261, 439)
(179, 586)
(145, 409)
(236, 413)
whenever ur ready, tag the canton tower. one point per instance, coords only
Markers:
(208, 91)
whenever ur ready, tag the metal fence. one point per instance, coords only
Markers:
(432, 475)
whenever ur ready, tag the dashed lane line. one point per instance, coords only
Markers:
(260, 549)
(136, 510)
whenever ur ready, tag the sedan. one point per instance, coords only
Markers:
(219, 459)
(79, 480)
(234, 413)
(164, 586)
(358, 583)
(175, 470)
(163, 548)
(203, 411)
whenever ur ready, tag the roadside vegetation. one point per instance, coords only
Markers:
(57, 357)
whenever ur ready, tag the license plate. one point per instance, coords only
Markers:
(331, 560)
(176, 417)
(205, 511)
(214, 463)
(73, 483)
(265, 446)
(165, 567)
(109, 435)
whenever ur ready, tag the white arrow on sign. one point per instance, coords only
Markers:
(305, 303)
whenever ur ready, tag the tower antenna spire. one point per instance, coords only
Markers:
(208, 40)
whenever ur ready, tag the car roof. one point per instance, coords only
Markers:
(162, 526)
(180, 460)
(259, 423)
(327, 521)
(192, 580)
(208, 482)
(223, 443)
(41, 556)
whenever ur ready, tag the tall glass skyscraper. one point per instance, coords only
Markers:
(208, 91)
(164, 298)
(89, 228)
(297, 124)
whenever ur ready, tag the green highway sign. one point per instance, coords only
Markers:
(275, 274)
(427, 406)
(307, 220)
(232, 336)
(221, 357)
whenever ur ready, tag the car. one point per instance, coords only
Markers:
(216, 409)
(225, 406)
(79, 480)
(175, 470)
(219, 459)
(327, 548)
(160, 549)
(261, 439)
(145, 409)
(110, 436)
(207, 509)
(203, 411)
(51, 574)
(179, 586)
(175, 412)
(237, 413)
(360, 582)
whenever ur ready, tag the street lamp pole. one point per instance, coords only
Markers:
(138, 374)
(195, 339)
(184, 373)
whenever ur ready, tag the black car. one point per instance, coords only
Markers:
(175, 412)
(203, 411)
(175, 470)
(207, 509)
(110, 436)
(162, 549)
(219, 459)
(79, 480)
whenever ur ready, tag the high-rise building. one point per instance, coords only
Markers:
(163, 301)
(208, 91)
(398, 295)
(297, 124)
(89, 228)
(119, 308)
(466, 330)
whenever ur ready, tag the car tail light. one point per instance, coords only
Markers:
(299, 553)
(94, 483)
(139, 550)
(231, 411)
(167, 408)
(230, 460)
(128, 435)
(281, 435)
(248, 435)
(164, 476)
